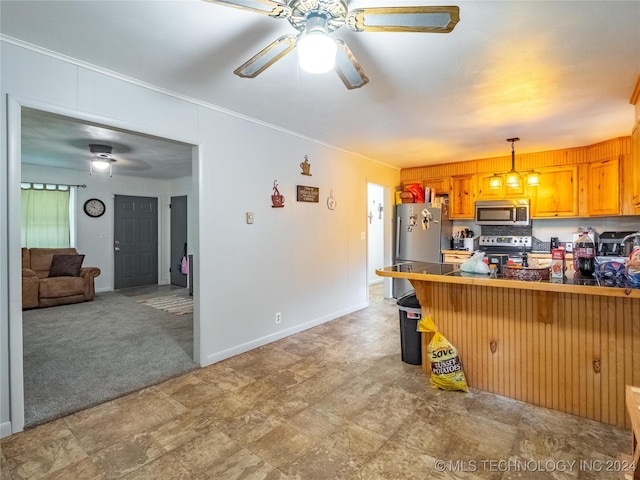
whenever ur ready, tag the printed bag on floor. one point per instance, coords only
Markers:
(446, 368)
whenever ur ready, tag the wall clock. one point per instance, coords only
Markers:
(94, 208)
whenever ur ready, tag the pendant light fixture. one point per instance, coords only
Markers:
(102, 159)
(513, 179)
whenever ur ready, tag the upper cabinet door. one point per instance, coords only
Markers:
(557, 194)
(440, 185)
(462, 197)
(603, 192)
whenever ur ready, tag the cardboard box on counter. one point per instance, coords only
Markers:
(557, 263)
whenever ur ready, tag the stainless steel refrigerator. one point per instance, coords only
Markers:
(421, 232)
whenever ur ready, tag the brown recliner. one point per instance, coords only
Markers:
(40, 290)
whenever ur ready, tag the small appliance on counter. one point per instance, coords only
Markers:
(463, 240)
(505, 249)
(610, 244)
(457, 244)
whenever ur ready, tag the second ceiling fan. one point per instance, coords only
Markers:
(315, 19)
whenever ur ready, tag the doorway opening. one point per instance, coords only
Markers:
(103, 310)
(179, 250)
(378, 238)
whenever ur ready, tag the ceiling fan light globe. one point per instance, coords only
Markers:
(100, 164)
(316, 52)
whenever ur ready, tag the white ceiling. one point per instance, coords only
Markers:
(555, 74)
(56, 141)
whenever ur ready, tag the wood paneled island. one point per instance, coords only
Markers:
(570, 346)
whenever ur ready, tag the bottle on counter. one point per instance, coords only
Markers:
(584, 255)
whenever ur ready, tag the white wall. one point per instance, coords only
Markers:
(95, 235)
(302, 260)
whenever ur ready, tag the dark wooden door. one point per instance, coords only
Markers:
(178, 239)
(135, 241)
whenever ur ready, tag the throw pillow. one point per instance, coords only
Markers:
(66, 265)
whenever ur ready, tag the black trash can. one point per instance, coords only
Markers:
(410, 339)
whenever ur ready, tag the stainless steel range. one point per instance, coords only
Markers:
(505, 244)
(499, 249)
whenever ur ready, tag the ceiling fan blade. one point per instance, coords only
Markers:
(404, 19)
(266, 57)
(348, 68)
(266, 7)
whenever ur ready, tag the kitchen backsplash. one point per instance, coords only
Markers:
(543, 230)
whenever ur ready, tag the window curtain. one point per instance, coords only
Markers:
(45, 218)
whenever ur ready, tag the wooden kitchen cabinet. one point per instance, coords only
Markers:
(439, 184)
(462, 197)
(456, 258)
(486, 193)
(603, 187)
(635, 162)
(557, 194)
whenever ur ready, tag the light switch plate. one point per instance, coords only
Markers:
(249, 218)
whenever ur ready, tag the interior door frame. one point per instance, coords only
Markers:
(175, 249)
(10, 277)
(387, 215)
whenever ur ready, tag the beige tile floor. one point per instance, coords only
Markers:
(333, 402)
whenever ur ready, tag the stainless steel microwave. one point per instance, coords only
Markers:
(503, 212)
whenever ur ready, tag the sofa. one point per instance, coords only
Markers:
(55, 276)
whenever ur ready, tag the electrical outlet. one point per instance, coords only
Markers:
(278, 317)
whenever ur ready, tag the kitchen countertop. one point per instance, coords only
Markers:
(450, 273)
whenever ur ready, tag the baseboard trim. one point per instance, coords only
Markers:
(5, 429)
(259, 342)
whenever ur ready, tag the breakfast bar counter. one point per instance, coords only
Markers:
(570, 346)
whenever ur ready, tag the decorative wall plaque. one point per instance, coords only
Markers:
(306, 166)
(331, 202)
(308, 194)
(276, 198)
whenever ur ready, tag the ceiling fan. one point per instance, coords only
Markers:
(101, 159)
(315, 19)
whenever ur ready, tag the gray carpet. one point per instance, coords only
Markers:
(77, 356)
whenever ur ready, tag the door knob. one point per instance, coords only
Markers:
(117, 249)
